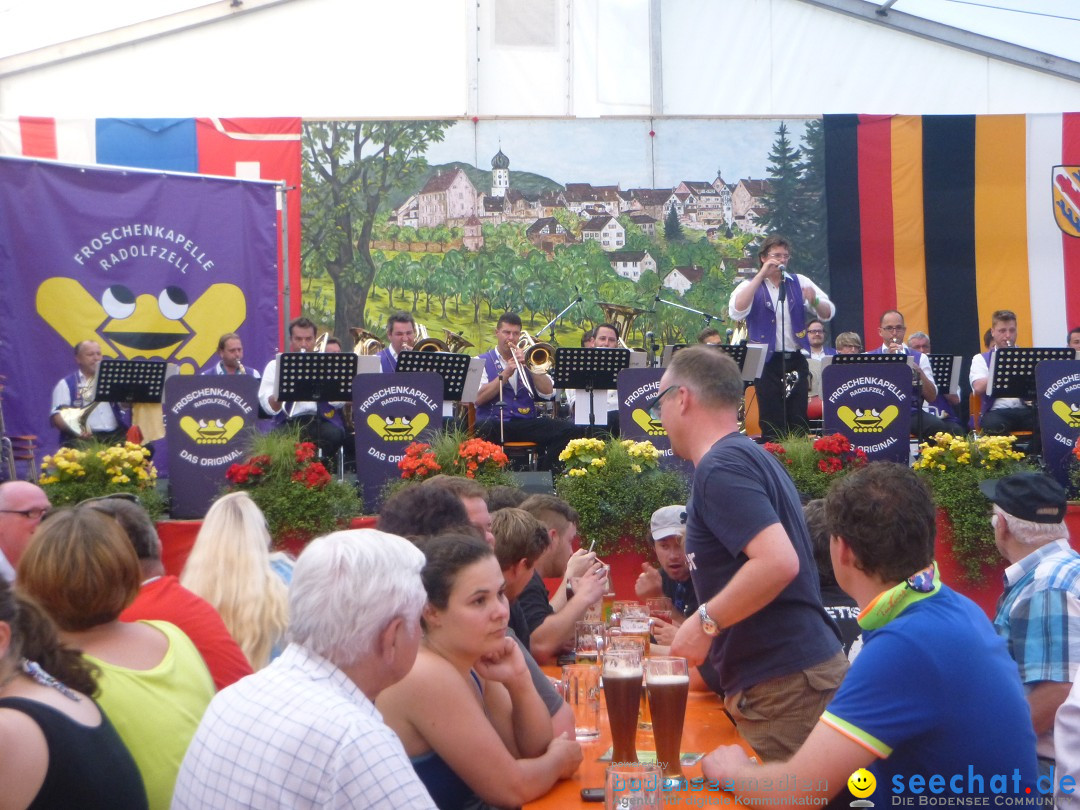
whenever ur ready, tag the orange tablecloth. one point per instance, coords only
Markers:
(706, 727)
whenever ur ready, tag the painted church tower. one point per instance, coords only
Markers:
(500, 174)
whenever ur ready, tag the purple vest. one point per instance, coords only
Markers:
(389, 364)
(761, 322)
(516, 405)
(72, 381)
(987, 402)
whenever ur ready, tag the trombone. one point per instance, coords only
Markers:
(538, 358)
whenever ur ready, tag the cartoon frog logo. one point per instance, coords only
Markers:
(398, 428)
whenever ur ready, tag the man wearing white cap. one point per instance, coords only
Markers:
(672, 579)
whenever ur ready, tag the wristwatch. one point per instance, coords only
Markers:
(708, 626)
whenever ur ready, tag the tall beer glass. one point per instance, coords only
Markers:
(622, 692)
(668, 682)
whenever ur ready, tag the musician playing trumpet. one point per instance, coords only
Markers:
(505, 371)
(230, 351)
(400, 337)
(1001, 415)
(106, 422)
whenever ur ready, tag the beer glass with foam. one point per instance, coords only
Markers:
(668, 683)
(622, 693)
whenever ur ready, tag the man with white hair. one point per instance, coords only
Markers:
(304, 732)
(1042, 595)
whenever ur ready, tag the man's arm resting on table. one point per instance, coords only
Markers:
(821, 767)
(771, 565)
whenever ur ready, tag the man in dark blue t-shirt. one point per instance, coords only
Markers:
(760, 621)
(933, 704)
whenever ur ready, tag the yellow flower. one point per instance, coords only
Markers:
(635, 467)
(597, 462)
(577, 471)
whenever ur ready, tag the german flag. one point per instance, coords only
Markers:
(948, 218)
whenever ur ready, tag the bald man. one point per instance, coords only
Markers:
(22, 506)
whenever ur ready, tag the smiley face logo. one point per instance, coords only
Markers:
(861, 783)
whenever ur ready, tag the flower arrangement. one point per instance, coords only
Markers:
(615, 486)
(814, 463)
(71, 475)
(292, 487)
(953, 467)
(453, 452)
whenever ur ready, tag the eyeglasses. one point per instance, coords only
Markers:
(30, 514)
(815, 331)
(654, 406)
(897, 328)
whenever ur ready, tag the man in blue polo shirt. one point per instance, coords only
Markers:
(1037, 612)
(932, 705)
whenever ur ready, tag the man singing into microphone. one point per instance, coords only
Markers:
(774, 304)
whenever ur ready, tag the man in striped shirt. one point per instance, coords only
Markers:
(1039, 612)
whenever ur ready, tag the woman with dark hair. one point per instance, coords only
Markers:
(468, 714)
(81, 568)
(57, 748)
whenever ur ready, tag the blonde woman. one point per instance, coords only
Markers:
(231, 567)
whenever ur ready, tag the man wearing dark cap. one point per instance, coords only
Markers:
(1042, 595)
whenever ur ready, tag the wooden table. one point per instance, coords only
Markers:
(705, 728)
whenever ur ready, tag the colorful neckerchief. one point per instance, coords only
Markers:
(889, 604)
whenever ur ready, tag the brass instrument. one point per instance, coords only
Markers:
(739, 333)
(537, 358)
(621, 317)
(457, 343)
(75, 417)
(320, 344)
(365, 343)
(426, 343)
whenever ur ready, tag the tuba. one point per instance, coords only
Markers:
(426, 343)
(73, 417)
(365, 343)
(621, 317)
(457, 343)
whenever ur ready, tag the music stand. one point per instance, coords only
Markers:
(946, 367)
(882, 357)
(451, 366)
(130, 381)
(589, 370)
(1012, 370)
(669, 352)
(315, 377)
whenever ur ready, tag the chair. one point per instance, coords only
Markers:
(522, 451)
(22, 449)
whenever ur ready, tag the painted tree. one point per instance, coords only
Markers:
(673, 231)
(782, 214)
(349, 170)
(813, 237)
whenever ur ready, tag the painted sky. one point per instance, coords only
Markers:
(620, 151)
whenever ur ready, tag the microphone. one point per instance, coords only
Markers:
(648, 337)
(782, 268)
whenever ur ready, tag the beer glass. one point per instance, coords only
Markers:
(660, 607)
(622, 692)
(636, 785)
(588, 642)
(581, 688)
(668, 682)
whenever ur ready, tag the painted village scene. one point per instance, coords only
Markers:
(459, 221)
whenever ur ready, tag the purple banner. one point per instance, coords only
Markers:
(390, 412)
(1058, 384)
(149, 265)
(206, 417)
(637, 388)
(870, 403)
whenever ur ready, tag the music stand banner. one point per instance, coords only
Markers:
(870, 403)
(390, 411)
(205, 417)
(637, 388)
(1058, 385)
(154, 266)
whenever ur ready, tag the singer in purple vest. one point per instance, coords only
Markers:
(106, 422)
(1001, 415)
(519, 417)
(774, 304)
(400, 337)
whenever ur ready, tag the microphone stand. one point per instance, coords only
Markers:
(709, 318)
(551, 324)
(781, 298)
